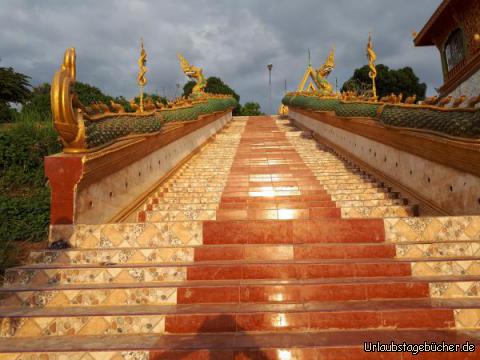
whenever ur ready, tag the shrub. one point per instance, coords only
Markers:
(25, 199)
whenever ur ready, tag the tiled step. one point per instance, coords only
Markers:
(329, 345)
(226, 292)
(432, 229)
(242, 291)
(393, 211)
(439, 250)
(33, 275)
(214, 196)
(254, 213)
(364, 196)
(361, 186)
(234, 318)
(371, 203)
(130, 235)
(113, 256)
(184, 207)
(354, 191)
(210, 253)
(293, 232)
(191, 189)
(177, 215)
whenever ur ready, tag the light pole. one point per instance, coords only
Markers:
(176, 90)
(269, 67)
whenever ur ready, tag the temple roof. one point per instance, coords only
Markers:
(435, 23)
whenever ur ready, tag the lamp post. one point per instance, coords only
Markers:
(269, 67)
(176, 90)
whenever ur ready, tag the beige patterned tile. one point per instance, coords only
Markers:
(113, 256)
(460, 228)
(451, 268)
(467, 318)
(376, 211)
(456, 289)
(436, 250)
(22, 277)
(82, 326)
(92, 297)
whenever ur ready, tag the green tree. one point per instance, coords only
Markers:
(38, 106)
(388, 81)
(187, 88)
(14, 88)
(88, 94)
(251, 109)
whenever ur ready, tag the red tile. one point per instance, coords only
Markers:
(214, 272)
(270, 294)
(141, 216)
(333, 292)
(266, 271)
(379, 269)
(207, 253)
(344, 320)
(419, 318)
(354, 354)
(272, 321)
(191, 355)
(342, 230)
(277, 354)
(232, 206)
(373, 251)
(319, 252)
(199, 323)
(283, 252)
(262, 214)
(269, 232)
(225, 232)
(271, 204)
(397, 290)
(318, 213)
(231, 214)
(293, 214)
(208, 295)
(314, 271)
(301, 231)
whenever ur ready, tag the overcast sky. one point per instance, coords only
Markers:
(232, 39)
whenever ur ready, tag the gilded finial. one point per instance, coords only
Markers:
(372, 57)
(142, 70)
(67, 111)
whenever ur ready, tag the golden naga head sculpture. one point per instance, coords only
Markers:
(328, 66)
(66, 109)
(193, 73)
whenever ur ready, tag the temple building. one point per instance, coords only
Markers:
(454, 29)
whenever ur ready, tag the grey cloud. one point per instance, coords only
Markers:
(234, 40)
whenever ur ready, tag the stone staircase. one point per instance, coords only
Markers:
(265, 245)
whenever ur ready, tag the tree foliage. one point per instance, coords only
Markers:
(39, 102)
(251, 109)
(14, 87)
(388, 81)
(188, 87)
